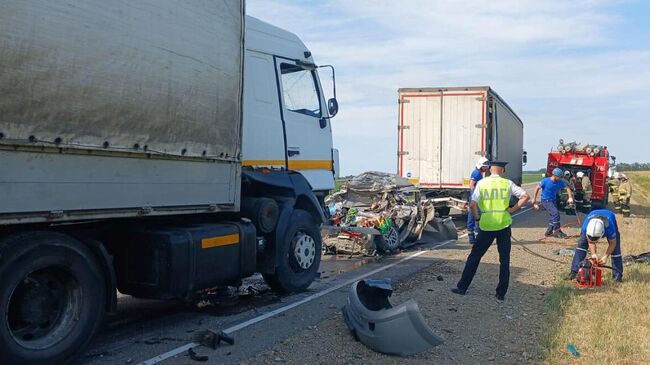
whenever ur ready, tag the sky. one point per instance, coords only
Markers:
(577, 70)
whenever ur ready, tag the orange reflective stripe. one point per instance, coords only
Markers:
(310, 164)
(263, 163)
(231, 239)
(293, 164)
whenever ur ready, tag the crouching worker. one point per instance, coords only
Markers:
(492, 199)
(599, 223)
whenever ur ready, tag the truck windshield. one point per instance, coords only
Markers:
(299, 90)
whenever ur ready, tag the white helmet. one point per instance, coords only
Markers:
(595, 229)
(482, 162)
(580, 174)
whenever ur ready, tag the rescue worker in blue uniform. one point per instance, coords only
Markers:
(550, 186)
(477, 174)
(599, 223)
(492, 199)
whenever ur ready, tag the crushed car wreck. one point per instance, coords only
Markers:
(372, 320)
(381, 212)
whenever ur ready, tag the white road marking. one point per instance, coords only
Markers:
(260, 318)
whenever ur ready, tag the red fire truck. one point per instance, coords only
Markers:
(592, 160)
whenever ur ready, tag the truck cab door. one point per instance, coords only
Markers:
(307, 127)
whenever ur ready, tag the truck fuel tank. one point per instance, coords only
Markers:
(164, 262)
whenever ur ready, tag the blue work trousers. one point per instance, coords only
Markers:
(554, 213)
(472, 225)
(483, 242)
(582, 248)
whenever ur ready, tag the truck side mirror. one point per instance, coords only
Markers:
(524, 158)
(332, 106)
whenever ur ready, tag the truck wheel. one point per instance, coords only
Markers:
(300, 254)
(52, 298)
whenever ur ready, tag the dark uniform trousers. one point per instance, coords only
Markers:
(483, 242)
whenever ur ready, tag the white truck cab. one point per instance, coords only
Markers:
(286, 118)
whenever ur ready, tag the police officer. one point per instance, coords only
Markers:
(492, 198)
(550, 186)
(477, 174)
(599, 223)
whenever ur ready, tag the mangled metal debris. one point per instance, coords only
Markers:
(643, 258)
(383, 328)
(381, 212)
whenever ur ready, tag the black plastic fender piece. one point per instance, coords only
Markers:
(383, 328)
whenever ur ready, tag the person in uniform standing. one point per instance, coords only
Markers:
(624, 195)
(491, 198)
(585, 185)
(599, 223)
(477, 174)
(563, 195)
(550, 186)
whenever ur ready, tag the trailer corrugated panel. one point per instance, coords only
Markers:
(509, 138)
(112, 75)
(441, 132)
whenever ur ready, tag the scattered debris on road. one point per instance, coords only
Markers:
(378, 212)
(565, 251)
(196, 357)
(373, 321)
(212, 339)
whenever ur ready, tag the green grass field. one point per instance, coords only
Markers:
(531, 178)
(609, 325)
(337, 185)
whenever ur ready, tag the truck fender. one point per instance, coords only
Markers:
(281, 185)
(291, 191)
(373, 321)
(106, 262)
(306, 199)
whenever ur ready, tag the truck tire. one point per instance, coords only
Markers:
(52, 298)
(299, 256)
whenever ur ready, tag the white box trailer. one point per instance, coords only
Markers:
(443, 131)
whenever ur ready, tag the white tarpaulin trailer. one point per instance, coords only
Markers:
(443, 131)
(114, 108)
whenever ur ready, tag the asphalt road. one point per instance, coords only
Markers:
(160, 332)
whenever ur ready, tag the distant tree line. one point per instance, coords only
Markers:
(636, 166)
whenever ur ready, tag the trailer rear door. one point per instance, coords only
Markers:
(441, 135)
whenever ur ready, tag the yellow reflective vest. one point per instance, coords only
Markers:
(493, 203)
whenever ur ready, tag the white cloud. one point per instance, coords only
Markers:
(556, 63)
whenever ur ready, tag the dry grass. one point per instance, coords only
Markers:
(610, 325)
